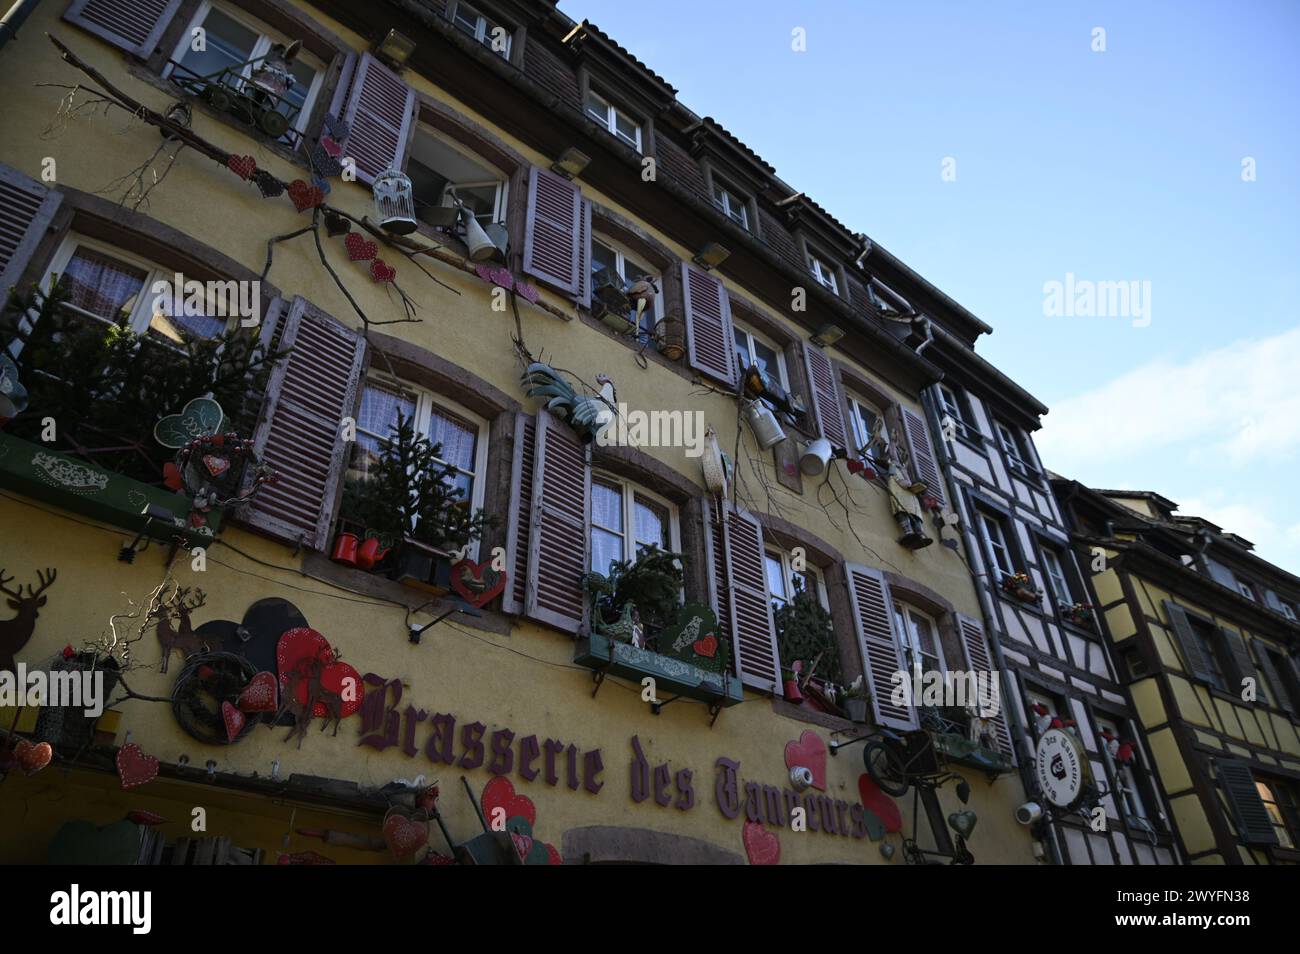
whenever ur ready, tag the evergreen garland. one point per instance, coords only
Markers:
(653, 581)
(804, 630)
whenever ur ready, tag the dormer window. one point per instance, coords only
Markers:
(731, 203)
(618, 122)
(823, 272)
(483, 29)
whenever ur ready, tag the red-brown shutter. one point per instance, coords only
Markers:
(301, 430)
(715, 555)
(132, 25)
(560, 531)
(873, 618)
(758, 661)
(26, 210)
(825, 396)
(711, 343)
(521, 512)
(584, 255)
(556, 244)
(917, 434)
(979, 660)
(380, 108)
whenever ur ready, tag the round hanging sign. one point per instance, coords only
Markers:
(1061, 768)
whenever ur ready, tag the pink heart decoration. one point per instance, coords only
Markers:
(879, 804)
(296, 647)
(260, 695)
(762, 846)
(527, 291)
(331, 146)
(381, 271)
(405, 836)
(216, 465)
(499, 793)
(810, 752)
(360, 249)
(243, 166)
(134, 767)
(32, 758)
(523, 844)
(304, 196)
(234, 719)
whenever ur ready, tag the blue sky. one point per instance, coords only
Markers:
(1122, 165)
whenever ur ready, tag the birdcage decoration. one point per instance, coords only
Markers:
(395, 202)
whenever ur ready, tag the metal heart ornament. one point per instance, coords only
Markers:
(134, 767)
(405, 836)
(261, 694)
(304, 196)
(360, 248)
(477, 583)
(31, 757)
(201, 417)
(381, 271)
(234, 721)
(243, 166)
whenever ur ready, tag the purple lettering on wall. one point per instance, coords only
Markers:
(528, 754)
(859, 821)
(553, 748)
(772, 806)
(753, 801)
(379, 717)
(662, 779)
(685, 790)
(503, 757)
(414, 716)
(571, 761)
(725, 788)
(440, 745)
(471, 743)
(640, 773)
(810, 812)
(592, 766)
(826, 808)
(840, 808)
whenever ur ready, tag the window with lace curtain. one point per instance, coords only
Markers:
(627, 519)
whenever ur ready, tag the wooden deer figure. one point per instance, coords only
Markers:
(15, 633)
(332, 700)
(182, 637)
(289, 705)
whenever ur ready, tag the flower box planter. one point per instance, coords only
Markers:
(961, 750)
(856, 709)
(672, 676)
(86, 489)
(421, 566)
(1078, 615)
(1019, 587)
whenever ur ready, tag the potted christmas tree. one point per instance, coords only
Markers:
(804, 631)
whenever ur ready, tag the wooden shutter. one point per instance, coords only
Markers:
(715, 555)
(560, 531)
(919, 452)
(824, 396)
(519, 519)
(758, 662)
(379, 111)
(584, 255)
(26, 210)
(1236, 644)
(301, 430)
(710, 340)
(131, 25)
(1281, 697)
(1253, 824)
(978, 659)
(1193, 655)
(873, 618)
(557, 233)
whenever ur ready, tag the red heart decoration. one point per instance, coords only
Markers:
(405, 836)
(298, 647)
(762, 846)
(523, 844)
(234, 719)
(216, 465)
(261, 694)
(32, 758)
(143, 816)
(810, 752)
(304, 196)
(171, 476)
(499, 793)
(243, 166)
(360, 249)
(879, 804)
(134, 767)
(477, 583)
(331, 146)
(553, 855)
(381, 271)
(706, 647)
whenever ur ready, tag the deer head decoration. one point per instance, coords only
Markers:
(15, 633)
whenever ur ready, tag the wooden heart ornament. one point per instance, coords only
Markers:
(134, 767)
(708, 646)
(477, 583)
(762, 846)
(261, 694)
(405, 836)
(234, 720)
(216, 466)
(499, 793)
(381, 271)
(242, 166)
(296, 651)
(810, 752)
(32, 757)
(879, 804)
(360, 248)
(305, 196)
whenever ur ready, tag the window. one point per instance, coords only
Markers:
(1245, 589)
(111, 286)
(886, 301)
(951, 407)
(823, 272)
(783, 581)
(1286, 674)
(1288, 611)
(869, 431)
(461, 434)
(1054, 570)
(441, 174)
(731, 204)
(1012, 445)
(626, 519)
(753, 350)
(614, 119)
(231, 39)
(611, 260)
(484, 29)
(919, 637)
(994, 530)
(1211, 642)
(1129, 795)
(1279, 804)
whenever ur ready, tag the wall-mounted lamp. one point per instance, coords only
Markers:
(711, 256)
(395, 49)
(150, 513)
(827, 335)
(570, 163)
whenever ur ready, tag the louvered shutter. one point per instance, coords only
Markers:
(300, 435)
(758, 662)
(521, 512)
(924, 468)
(978, 659)
(825, 396)
(584, 256)
(132, 25)
(557, 233)
(715, 555)
(1281, 698)
(1193, 654)
(1241, 660)
(26, 210)
(379, 111)
(1254, 826)
(873, 618)
(560, 530)
(710, 340)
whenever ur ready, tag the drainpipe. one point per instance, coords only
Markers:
(1015, 726)
(924, 322)
(12, 20)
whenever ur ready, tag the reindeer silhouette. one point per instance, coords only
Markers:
(15, 633)
(310, 671)
(182, 637)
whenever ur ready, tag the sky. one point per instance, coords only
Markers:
(999, 147)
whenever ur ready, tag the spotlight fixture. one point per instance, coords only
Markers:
(150, 513)
(395, 49)
(457, 605)
(711, 256)
(570, 163)
(827, 335)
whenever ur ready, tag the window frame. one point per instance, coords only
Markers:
(903, 614)
(822, 271)
(856, 405)
(1124, 777)
(622, 255)
(788, 574)
(1282, 816)
(752, 336)
(1049, 555)
(629, 490)
(951, 403)
(482, 28)
(501, 203)
(987, 518)
(723, 194)
(1210, 639)
(612, 114)
(1011, 442)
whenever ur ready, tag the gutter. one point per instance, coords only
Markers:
(12, 20)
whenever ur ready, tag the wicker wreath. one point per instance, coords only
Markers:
(208, 680)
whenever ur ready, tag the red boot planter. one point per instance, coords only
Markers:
(370, 553)
(345, 549)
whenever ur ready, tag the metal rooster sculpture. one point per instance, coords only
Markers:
(588, 416)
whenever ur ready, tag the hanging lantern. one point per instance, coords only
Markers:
(394, 202)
